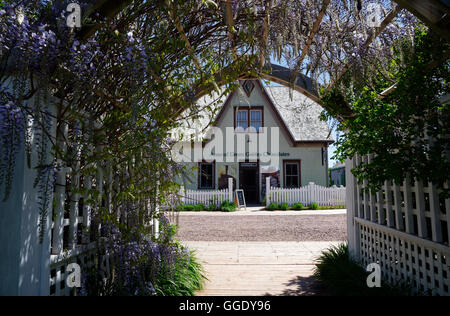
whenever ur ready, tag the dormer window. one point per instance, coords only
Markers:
(248, 87)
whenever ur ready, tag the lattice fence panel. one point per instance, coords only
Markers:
(423, 265)
(405, 228)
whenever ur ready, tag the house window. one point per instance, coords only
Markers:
(249, 117)
(242, 119)
(206, 173)
(248, 87)
(292, 174)
(256, 119)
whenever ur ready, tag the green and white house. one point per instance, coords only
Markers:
(280, 133)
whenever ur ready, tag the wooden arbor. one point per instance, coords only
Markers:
(434, 13)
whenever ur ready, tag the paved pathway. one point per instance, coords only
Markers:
(259, 268)
(259, 253)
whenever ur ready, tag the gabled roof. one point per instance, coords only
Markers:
(300, 114)
(296, 113)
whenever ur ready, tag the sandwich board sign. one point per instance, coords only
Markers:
(240, 199)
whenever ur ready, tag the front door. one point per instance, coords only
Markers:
(249, 181)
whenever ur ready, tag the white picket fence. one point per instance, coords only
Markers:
(214, 197)
(404, 228)
(323, 196)
(205, 197)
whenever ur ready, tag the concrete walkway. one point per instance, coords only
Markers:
(259, 268)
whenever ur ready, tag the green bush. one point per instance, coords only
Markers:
(211, 207)
(272, 206)
(333, 207)
(228, 207)
(344, 277)
(187, 207)
(283, 206)
(184, 280)
(298, 206)
(314, 206)
(199, 207)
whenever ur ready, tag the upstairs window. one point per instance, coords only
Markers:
(242, 119)
(256, 119)
(250, 117)
(206, 174)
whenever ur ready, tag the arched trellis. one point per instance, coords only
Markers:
(434, 13)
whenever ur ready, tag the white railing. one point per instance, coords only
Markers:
(312, 193)
(404, 228)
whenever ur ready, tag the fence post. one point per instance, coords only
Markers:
(267, 191)
(156, 219)
(230, 190)
(25, 257)
(60, 192)
(351, 201)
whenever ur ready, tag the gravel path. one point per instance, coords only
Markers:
(263, 228)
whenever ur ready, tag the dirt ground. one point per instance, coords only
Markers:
(263, 228)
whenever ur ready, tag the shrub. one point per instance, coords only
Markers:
(142, 266)
(298, 206)
(228, 207)
(184, 279)
(343, 276)
(188, 207)
(272, 206)
(332, 207)
(314, 206)
(283, 206)
(211, 207)
(199, 207)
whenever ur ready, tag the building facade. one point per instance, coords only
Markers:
(337, 174)
(256, 131)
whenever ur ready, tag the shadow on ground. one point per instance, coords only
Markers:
(303, 286)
